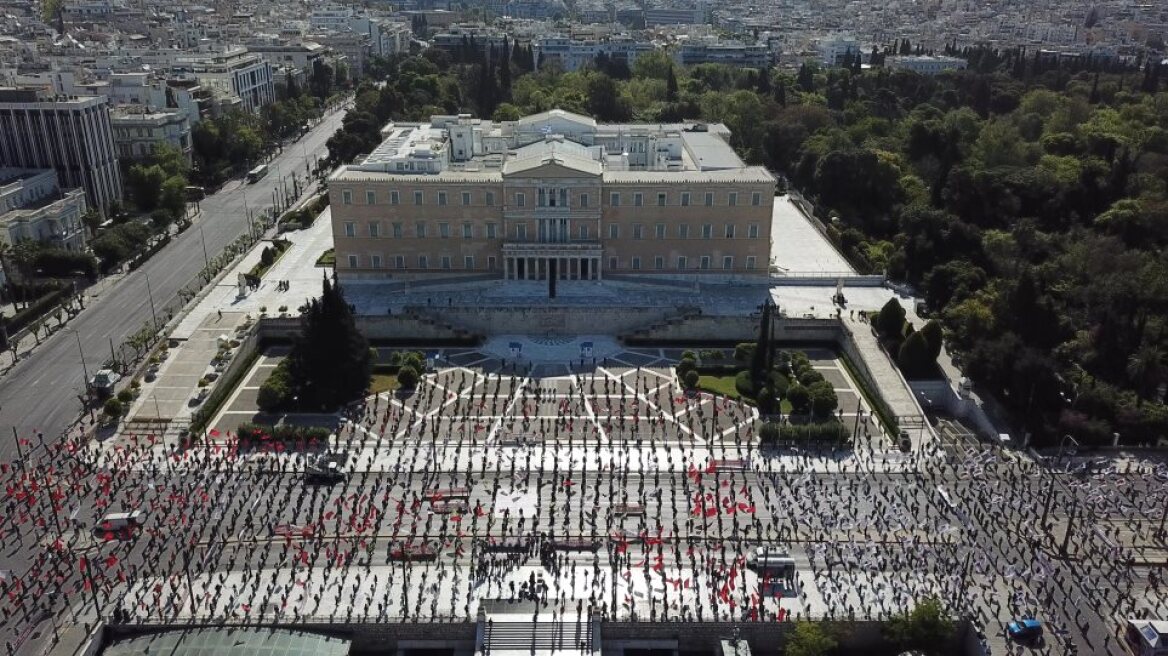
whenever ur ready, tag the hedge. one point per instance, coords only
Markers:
(825, 432)
(36, 310)
(282, 432)
(140, 259)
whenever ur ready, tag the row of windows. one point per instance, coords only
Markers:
(545, 199)
(682, 263)
(660, 230)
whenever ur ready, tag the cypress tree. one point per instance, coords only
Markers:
(671, 86)
(330, 362)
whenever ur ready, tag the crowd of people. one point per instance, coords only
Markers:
(610, 493)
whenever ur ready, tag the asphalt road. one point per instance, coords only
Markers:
(42, 392)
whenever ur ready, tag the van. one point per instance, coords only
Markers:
(119, 525)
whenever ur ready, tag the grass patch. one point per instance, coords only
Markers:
(724, 386)
(278, 248)
(327, 258)
(382, 382)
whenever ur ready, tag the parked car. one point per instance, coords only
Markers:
(1024, 630)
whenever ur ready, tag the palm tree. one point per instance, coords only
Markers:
(1146, 369)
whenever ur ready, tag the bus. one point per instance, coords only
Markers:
(258, 172)
(773, 566)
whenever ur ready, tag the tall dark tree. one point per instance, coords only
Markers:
(762, 347)
(671, 86)
(330, 363)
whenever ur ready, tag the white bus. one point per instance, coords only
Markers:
(258, 172)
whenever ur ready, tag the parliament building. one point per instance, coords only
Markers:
(550, 195)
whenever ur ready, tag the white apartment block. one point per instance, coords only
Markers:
(834, 49)
(32, 206)
(924, 64)
(234, 71)
(138, 134)
(72, 136)
(573, 55)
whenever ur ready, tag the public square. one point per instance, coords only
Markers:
(596, 490)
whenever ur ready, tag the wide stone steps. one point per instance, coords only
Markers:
(538, 636)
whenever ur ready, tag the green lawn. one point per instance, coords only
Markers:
(724, 385)
(327, 259)
(379, 383)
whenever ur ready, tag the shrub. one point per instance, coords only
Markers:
(744, 384)
(691, 379)
(769, 433)
(823, 399)
(890, 322)
(781, 384)
(276, 392)
(767, 404)
(60, 263)
(712, 355)
(125, 396)
(686, 366)
(267, 256)
(113, 407)
(407, 376)
(914, 359)
(800, 398)
(828, 431)
(934, 337)
(809, 377)
(688, 355)
(744, 351)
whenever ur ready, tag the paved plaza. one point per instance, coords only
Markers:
(594, 488)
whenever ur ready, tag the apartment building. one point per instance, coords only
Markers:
(71, 135)
(925, 64)
(550, 195)
(573, 54)
(33, 207)
(139, 132)
(233, 71)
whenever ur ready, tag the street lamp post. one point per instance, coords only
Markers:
(206, 260)
(150, 295)
(84, 368)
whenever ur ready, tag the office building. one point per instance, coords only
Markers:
(72, 136)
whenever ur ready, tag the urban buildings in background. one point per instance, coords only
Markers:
(552, 195)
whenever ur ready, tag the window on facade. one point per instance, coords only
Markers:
(520, 200)
(709, 199)
(584, 200)
(658, 262)
(491, 231)
(683, 231)
(729, 231)
(347, 197)
(756, 199)
(465, 198)
(490, 199)
(374, 229)
(442, 199)
(417, 198)
(636, 263)
(468, 262)
(350, 229)
(704, 263)
(681, 262)
(613, 231)
(352, 261)
(399, 261)
(584, 231)
(521, 231)
(370, 198)
(752, 231)
(394, 198)
(444, 230)
(445, 261)
(612, 263)
(660, 230)
(661, 200)
(638, 199)
(397, 231)
(750, 262)
(728, 262)
(685, 199)
(638, 231)
(707, 231)
(491, 263)
(423, 262)
(467, 231)
(375, 261)
(733, 198)
(614, 199)
(420, 230)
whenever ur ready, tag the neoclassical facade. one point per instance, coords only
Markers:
(550, 195)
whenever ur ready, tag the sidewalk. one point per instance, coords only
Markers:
(28, 342)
